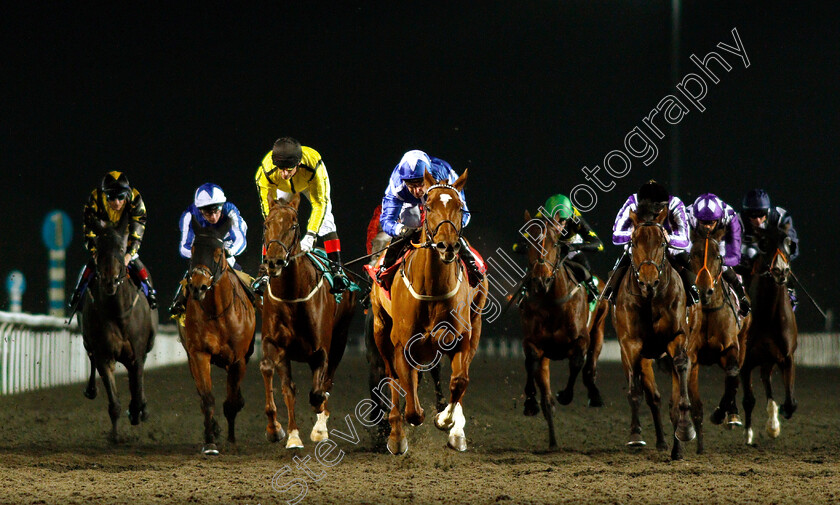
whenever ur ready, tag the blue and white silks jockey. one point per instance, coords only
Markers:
(402, 206)
(676, 228)
(210, 209)
(712, 213)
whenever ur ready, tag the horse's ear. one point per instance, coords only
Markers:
(660, 218)
(527, 215)
(223, 230)
(460, 182)
(428, 181)
(719, 233)
(634, 218)
(295, 201)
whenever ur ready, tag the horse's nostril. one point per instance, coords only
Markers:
(710, 292)
(655, 283)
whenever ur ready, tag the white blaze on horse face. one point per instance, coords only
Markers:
(445, 198)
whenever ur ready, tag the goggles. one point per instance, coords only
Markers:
(211, 209)
(116, 196)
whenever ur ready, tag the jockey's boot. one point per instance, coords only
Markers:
(614, 281)
(81, 284)
(144, 280)
(732, 279)
(692, 296)
(592, 288)
(179, 304)
(260, 280)
(340, 282)
(794, 300)
(391, 255)
(474, 273)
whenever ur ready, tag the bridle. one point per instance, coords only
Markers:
(218, 266)
(705, 267)
(295, 228)
(659, 266)
(559, 259)
(119, 255)
(430, 234)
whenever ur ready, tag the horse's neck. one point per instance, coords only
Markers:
(296, 279)
(563, 282)
(429, 275)
(770, 297)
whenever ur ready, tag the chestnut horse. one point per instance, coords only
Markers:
(557, 324)
(771, 340)
(302, 322)
(431, 312)
(218, 328)
(117, 324)
(717, 336)
(650, 319)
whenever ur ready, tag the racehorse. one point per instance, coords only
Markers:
(218, 328)
(771, 340)
(557, 324)
(717, 336)
(431, 312)
(302, 322)
(650, 319)
(117, 324)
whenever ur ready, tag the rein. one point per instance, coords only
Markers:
(706, 266)
(429, 233)
(659, 267)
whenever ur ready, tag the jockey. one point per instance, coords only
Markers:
(758, 215)
(576, 236)
(291, 168)
(711, 212)
(210, 209)
(108, 202)
(402, 206)
(676, 232)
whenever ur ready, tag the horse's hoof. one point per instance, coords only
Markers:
(210, 450)
(532, 408)
(750, 438)
(636, 440)
(272, 436)
(733, 420)
(133, 418)
(565, 397)
(595, 400)
(398, 448)
(685, 433)
(294, 441)
(416, 419)
(90, 393)
(676, 454)
(787, 410)
(457, 442)
(662, 446)
(717, 416)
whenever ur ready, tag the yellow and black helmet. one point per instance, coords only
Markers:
(115, 184)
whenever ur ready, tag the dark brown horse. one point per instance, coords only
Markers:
(218, 328)
(650, 319)
(117, 324)
(302, 322)
(771, 340)
(557, 324)
(717, 336)
(432, 312)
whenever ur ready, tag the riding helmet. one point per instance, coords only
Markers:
(286, 153)
(707, 207)
(756, 200)
(560, 206)
(209, 194)
(115, 183)
(414, 165)
(654, 192)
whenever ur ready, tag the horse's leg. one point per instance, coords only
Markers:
(773, 426)
(575, 365)
(137, 406)
(234, 401)
(633, 375)
(544, 382)
(532, 369)
(728, 408)
(452, 418)
(90, 391)
(680, 404)
(789, 374)
(696, 404)
(654, 401)
(287, 387)
(748, 401)
(200, 369)
(439, 403)
(321, 384)
(376, 372)
(106, 371)
(397, 441)
(590, 370)
(274, 431)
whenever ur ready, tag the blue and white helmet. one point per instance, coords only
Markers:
(414, 164)
(209, 194)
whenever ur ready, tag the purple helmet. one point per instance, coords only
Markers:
(707, 207)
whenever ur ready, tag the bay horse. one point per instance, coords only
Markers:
(650, 319)
(117, 324)
(717, 336)
(557, 324)
(219, 328)
(301, 321)
(431, 312)
(771, 340)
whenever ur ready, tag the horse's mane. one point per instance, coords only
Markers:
(647, 210)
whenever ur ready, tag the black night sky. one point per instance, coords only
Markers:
(524, 94)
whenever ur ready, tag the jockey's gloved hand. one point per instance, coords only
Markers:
(406, 231)
(307, 242)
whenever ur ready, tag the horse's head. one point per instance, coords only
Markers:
(281, 234)
(543, 238)
(442, 226)
(111, 244)
(648, 246)
(774, 259)
(207, 262)
(706, 260)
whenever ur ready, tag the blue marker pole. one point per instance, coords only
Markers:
(16, 285)
(57, 232)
